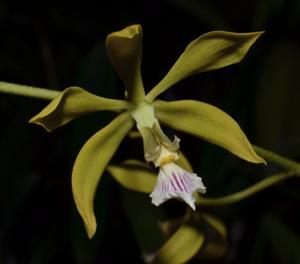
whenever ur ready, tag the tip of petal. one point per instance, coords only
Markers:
(38, 121)
(257, 159)
(91, 228)
(33, 120)
(128, 32)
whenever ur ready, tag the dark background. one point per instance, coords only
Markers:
(53, 45)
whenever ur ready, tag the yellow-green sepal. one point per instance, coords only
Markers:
(213, 50)
(72, 103)
(183, 245)
(90, 164)
(134, 175)
(124, 49)
(209, 123)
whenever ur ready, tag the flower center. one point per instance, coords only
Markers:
(143, 114)
(158, 148)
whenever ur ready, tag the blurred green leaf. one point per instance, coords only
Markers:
(46, 249)
(182, 245)
(169, 227)
(144, 218)
(258, 250)
(284, 241)
(1, 247)
(200, 10)
(265, 9)
(277, 103)
(216, 247)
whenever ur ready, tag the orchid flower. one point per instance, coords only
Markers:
(210, 51)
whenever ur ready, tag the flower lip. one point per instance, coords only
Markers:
(175, 182)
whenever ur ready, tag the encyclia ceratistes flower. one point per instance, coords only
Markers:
(210, 51)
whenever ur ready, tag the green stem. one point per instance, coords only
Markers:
(24, 90)
(247, 192)
(277, 159)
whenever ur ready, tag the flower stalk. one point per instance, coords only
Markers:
(236, 197)
(29, 91)
(278, 159)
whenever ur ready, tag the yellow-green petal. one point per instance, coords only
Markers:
(90, 164)
(124, 48)
(209, 123)
(134, 175)
(72, 103)
(182, 246)
(213, 50)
